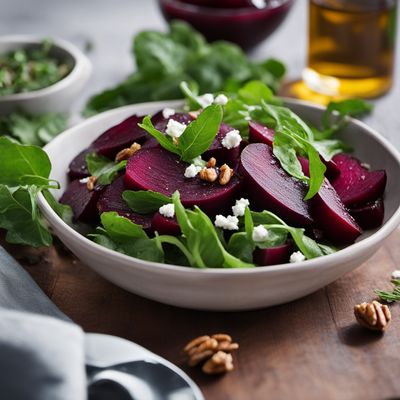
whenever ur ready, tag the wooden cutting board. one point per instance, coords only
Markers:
(308, 349)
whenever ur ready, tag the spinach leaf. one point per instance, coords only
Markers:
(144, 201)
(19, 217)
(199, 134)
(64, 211)
(122, 235)
(103, 168)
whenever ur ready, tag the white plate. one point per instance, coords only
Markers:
(223, 289)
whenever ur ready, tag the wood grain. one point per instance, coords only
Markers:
(308, 349)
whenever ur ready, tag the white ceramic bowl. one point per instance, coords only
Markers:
(224, 289)
(54, 98)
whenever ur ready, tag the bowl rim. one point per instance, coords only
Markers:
(81, 63)
(223, 12)
(343, 255)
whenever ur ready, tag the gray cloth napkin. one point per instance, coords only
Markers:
(41, 357)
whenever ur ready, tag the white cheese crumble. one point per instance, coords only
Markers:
(297, 256)
(232, 139)
(221, 100)
(205, 100)
(366, 166)
(259, 233)
(84, 180)
(167, 210)
(191, 171)
(396, 274)
(239, 208)
(175, 128)
(168, 112)
(229, 223)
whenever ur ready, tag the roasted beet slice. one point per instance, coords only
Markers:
(82, 201)
(330, 214)
(370, 215)
(164, 225)
(77, 168)
(120, 137)
(269, 187)
(357, 185)
(111, 200)
(221, 153)
(273, 255)
(260, 134)
(161, 171)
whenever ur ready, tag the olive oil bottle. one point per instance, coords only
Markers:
(351, 47)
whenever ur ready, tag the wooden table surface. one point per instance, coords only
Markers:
(308, 349)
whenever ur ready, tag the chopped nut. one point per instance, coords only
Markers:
(375, 315)
(225, 174)
(227, 346)
(211, 162)
(195, 342)
(208, 174)
(124, 154)
(197, 358)
(222, 337)
(195, 114)
(219, 363)
(91, 182)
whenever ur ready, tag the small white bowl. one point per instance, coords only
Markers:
(58, 97)
(224, 289)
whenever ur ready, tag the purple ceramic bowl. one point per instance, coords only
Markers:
(245, 26)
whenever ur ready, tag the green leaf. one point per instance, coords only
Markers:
(254, 92)
(200, 133)
(144, 201)
(120, 228)
(159, 136)
(19, 160)
(19, 217)
(103, 168)
(241, 247)
(64, 211)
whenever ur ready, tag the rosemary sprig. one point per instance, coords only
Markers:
(393, 296)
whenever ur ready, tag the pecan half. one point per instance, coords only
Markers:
(225, 174)
(219, 363)
(208, 174)
(91, 182)
(374, 316)
(124, 154)
(212, 162)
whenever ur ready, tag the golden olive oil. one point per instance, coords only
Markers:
(351, 47)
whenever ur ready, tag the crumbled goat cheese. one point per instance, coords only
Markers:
(297, 256)
(175, 128)
(84, 180)
(167, 210)
(259, 233)
(366, 165)
(232, 139)
(191, 171)
(239, 208)
(396, 274)
(168, 112)
(230, 222)
(205, 100)
(221, 100)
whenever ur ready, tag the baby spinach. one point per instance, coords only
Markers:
(103, 168)
(144, 201)
(33, 129)
(122, 235)
(196, 138)
(163, 60)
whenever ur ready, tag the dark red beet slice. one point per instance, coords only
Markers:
(120, 137)
(111, 200)
(161, 171)
(221, 153)
(330, 214)
(370, 215)
(164, 225)
(82, 201)
(77, 168)
(260, 134)
(273, 255)
(357, 185)
(269, 187)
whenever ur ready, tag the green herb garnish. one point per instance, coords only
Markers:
(393, 296)
(29, 69)
(144, 201)
(103, 168)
